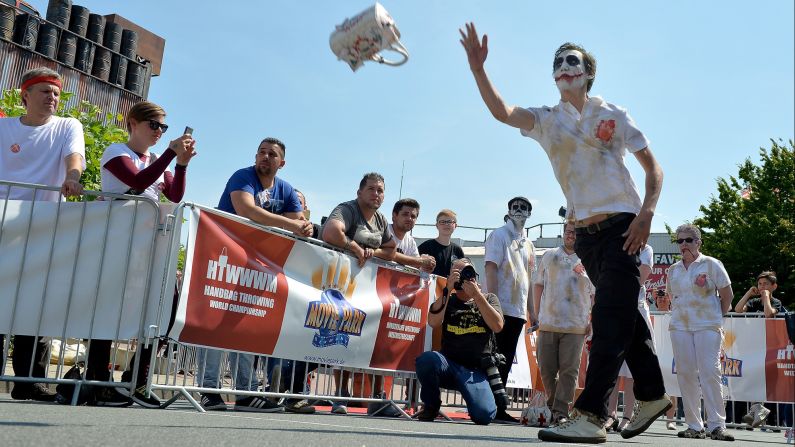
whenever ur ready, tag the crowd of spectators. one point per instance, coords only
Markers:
(480, 323)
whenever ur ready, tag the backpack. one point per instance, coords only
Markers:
(65, 391)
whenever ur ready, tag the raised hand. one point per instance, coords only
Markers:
(477, 50)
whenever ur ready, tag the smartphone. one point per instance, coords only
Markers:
(188, 130)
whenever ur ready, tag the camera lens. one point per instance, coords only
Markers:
(468, 273)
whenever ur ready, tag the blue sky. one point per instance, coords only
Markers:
(708, 82)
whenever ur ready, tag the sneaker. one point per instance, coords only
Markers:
(37, 391)
(646, 412)
(557, 420)
(756, 416)
(720, 434)
(258, 405)
(339, 407)
(212, 402)
(582, 427)
(140, 397)
(382, 409)
(611, 424)
(670, 425)
(691, 434)
(505, 418)
(428, 414)
(109, 397)
(298, 406)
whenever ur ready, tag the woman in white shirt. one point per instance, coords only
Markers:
(696, 333)
(131, 168)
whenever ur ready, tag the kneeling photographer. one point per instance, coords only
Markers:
(467, 360)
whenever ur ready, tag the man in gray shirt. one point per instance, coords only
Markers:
(358, 227)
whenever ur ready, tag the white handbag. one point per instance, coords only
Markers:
(361, 37)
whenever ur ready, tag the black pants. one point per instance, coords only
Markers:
(506, 343)
(619, 331)
(29, 349)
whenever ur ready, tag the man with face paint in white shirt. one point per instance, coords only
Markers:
(509, 262)
(586, 139)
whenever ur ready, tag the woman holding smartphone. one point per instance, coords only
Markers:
(131, 168)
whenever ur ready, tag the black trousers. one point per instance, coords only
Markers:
(29, 350)
(506, 343)
(619, 331)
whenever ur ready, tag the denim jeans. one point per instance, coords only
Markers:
(434, 372)
(619, 331)
(241, 365)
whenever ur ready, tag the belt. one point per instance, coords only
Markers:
(603, 225)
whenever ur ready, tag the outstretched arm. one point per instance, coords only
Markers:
(477, 51)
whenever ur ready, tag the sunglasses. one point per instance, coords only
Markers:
(689, 240)
(520, 207)
(446, 222)
(570, 59)
(154, 125)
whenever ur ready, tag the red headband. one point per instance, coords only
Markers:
(38, 79)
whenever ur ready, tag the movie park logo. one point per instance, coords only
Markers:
(334, 318)
(729, 367)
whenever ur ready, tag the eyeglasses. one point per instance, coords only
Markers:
(154, 125)
(446, 222)
(689, 240)
(570, 59)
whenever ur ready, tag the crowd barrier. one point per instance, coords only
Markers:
(81, 271)
(106, 270)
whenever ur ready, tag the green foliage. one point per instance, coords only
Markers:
(757, 233)
(181, 258)
(99, 130)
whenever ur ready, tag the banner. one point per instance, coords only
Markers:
(253, 290)
(757, 362)
(83, 269)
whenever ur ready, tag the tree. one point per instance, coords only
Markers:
(99, 130)
(750, 225)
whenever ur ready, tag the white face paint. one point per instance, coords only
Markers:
(569, 71)
(519, 213)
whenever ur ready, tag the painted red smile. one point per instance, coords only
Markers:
(567, 77)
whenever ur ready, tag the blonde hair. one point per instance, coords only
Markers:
(144, 111)
(448, 213)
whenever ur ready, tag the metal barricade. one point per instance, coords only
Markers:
(75, 273)
(183, 373)
(778, 416)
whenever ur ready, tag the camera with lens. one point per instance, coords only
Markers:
(468, 273)
(490, 364)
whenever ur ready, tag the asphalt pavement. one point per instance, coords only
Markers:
(27, 423)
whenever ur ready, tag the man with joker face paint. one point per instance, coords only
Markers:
(509, 263)
(586, 138)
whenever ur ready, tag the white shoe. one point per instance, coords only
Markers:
(761, 416)
(582, 427)
(339, 407)
(646, 412)
(670, 426)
